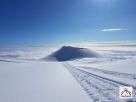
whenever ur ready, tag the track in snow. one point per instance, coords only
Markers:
(118, 74)
(99, 89)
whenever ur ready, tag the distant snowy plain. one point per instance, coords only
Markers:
(25, 78)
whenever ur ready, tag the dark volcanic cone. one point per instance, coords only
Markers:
(67, 53)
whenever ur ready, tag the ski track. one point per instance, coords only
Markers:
(99, 89)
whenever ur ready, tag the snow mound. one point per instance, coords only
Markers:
(67, 53)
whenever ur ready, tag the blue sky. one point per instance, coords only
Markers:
(25, 22)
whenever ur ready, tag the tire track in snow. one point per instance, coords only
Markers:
(99, 89)
(119, 74)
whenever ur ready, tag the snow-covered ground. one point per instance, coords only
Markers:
(24, 78)
(38, 82)
(102, 82)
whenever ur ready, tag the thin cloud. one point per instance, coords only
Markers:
(111, 30)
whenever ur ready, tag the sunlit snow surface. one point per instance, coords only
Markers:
(24, 78)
